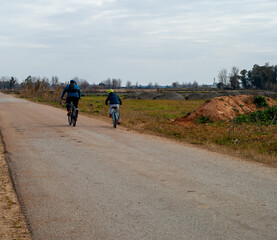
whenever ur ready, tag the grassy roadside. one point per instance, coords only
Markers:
(247, 141)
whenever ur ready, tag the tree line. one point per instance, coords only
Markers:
(9, 83)
(30, 82)
(44, 83)
(259, 77)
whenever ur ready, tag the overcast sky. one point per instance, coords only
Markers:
(141, 41)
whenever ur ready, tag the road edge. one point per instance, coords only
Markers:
(13, 179)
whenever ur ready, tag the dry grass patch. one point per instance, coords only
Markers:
(12, 222)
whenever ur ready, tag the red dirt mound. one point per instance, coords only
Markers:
(225, 108)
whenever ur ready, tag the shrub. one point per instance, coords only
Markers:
(203, 119)
(260, 101)
(272, 111)
(265, 116)
(243, 118)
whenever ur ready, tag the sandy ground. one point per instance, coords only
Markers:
(12, 222)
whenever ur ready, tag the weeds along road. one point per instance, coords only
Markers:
(96, 182)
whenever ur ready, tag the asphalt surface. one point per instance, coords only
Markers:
(96, 182)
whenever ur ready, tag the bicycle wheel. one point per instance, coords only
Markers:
(70, 117)
(69, 120)
(73, 121)
(114, 119)
(73, 117)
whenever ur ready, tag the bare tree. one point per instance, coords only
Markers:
(107, 83)
(234, 71)
(119, 82)
(188, 85)
(234, 78)
(84, 84)
(222, 76)
(116, 83)
(175, 84)
(54, 81)
(12, 82)
(195, 85)
(150, 85)
(128, 84)
(45, 83)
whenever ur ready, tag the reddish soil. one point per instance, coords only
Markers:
(225, 108)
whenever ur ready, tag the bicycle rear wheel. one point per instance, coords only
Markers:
(73, 122)
(69, 120)
(69, 117)
(114, 119)
(73, 117)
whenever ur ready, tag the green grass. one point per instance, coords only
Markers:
(156, 117)
(135, 111)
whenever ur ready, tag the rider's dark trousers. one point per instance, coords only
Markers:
(75, 101)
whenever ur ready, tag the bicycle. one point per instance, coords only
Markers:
(115, 116)
(72, 117)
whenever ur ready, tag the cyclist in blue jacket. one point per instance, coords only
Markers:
(73, 95)
(114, 100)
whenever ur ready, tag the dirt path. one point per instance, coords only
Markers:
(96, 182)
(12, 222)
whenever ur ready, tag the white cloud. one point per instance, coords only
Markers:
(92, 2)
(170, 32)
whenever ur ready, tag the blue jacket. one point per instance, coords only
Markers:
(113, 99)
(72, 90)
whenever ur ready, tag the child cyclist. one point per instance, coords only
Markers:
(114, 100)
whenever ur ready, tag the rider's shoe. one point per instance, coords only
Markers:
(118, 123)
(68, 113)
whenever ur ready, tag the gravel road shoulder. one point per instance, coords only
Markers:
(12, 221)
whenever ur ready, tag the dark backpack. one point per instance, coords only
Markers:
(72, 88)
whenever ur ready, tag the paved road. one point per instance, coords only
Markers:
(96, 182)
